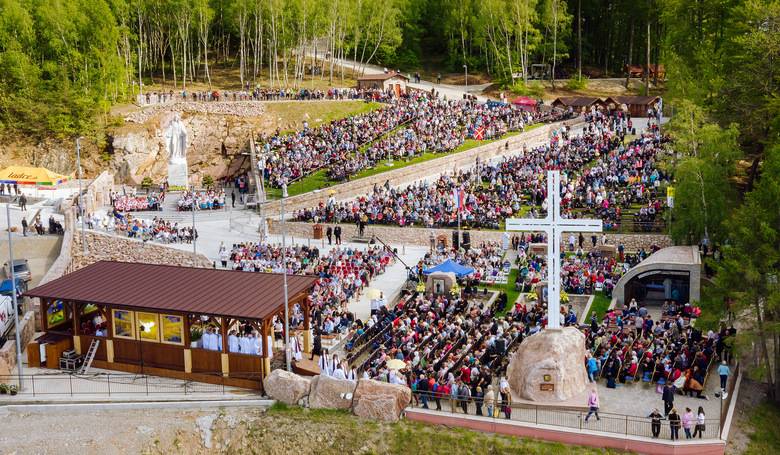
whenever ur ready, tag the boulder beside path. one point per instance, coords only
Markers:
(331, 393)
(380, 400)
(289, 388)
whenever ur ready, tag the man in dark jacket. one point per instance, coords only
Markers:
(668, 397)
(329, 234)
(337, 234)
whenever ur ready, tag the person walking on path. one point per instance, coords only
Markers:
(490, 400)
(233, 197)
(700, 422)
(24, 226)
(593, 405)
(687, 422)
(723, 372)
(22, 202)
(655, 422)
(329, 234)
(674, 424)
(668, 397)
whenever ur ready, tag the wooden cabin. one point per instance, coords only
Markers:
(151, 319)
(637, 106)
(385, 81)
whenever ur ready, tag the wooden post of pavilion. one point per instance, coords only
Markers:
(224, 356)
(306, 325)
(265, 330)
(76, 315)
(187, 345)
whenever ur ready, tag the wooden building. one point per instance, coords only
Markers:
(152, 318)
(385, 81)
(577, 103)
(637, 106)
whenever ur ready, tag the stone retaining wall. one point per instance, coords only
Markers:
(102, 247)
(8, 350)
(420, 171)
(421, 236)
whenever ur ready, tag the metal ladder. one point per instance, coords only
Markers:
(90, 356)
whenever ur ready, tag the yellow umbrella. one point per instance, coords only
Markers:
(396, 364)
(331, 192)
(373, 293)
(24, 175)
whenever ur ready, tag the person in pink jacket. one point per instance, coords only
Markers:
(687, 422)
(593, 405)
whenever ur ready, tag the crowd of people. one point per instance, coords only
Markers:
(127, 203)
(201, 200)
(256, 94)
(343, 273)
(601, 176)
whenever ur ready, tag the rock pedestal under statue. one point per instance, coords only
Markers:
(549, 367)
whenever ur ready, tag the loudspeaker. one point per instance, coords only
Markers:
(466, 240)
(455, 240)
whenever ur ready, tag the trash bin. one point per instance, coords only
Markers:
(317, 231)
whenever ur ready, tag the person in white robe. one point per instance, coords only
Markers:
(297, 350)
(258, 347)
(246, 344)
(351, 374)
(338, 372)
(326, 368)
(270, 341)
(233, 345)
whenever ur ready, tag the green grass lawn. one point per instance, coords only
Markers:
(511, 293)
(765, 439)
(600, 305)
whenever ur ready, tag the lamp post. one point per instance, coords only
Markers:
(81, 198)
(284, 281)
(13, 295)
(194, 240)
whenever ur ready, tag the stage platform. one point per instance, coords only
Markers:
(307, 367)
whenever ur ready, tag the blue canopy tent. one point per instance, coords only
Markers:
(450, 266)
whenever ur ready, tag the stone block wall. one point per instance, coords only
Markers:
(421, 236)
(8, 350)
(420, 171)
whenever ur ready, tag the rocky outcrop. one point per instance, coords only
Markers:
(549, 366)
(286, 387)
(330, 393)
(380, 400)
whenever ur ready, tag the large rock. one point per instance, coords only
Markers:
(380, 400)
(286, 387)
(331, 393)
(549, 366)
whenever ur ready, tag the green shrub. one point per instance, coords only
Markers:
(577, 83)
(146, 183)
(533, 89)
(208, 181)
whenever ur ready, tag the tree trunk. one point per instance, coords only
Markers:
(579, 39)
(630, 52)
(647, 59)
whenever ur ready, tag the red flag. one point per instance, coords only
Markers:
(480, 133)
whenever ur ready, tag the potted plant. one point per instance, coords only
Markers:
(13, 390)
(208, 181)
(146, 183)
(3, 389)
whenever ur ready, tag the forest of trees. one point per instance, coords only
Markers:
(64, 61)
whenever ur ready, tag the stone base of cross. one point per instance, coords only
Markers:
(554, 226)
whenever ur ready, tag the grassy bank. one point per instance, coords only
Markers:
(349, 434)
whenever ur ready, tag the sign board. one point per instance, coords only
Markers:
(670, 196)
(547, 387)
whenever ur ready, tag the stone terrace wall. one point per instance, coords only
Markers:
(421, 236)
(420, 171)
(104, 247)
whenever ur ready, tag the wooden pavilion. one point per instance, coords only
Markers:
(637, 106)
(152, 319)
(577, 103)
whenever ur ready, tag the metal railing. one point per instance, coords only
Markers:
(627, 425)
(112, 384)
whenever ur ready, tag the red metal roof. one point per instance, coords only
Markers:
(176, 289)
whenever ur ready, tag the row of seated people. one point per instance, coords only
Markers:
(201, 200)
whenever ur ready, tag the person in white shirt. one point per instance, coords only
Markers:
(258, 347)
(246, 343)
(326, 368)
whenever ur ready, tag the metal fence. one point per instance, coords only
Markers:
(621, 424)
(112, 384)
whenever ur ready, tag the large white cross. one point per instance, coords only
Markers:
(554, 226)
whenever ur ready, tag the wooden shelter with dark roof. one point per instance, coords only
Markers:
(577, 103)
(152, 318)
(391, 80)
(637, 106)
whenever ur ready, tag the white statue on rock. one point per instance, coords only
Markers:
(550, 365)
(176, 146)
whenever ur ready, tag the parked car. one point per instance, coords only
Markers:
(21, 270)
